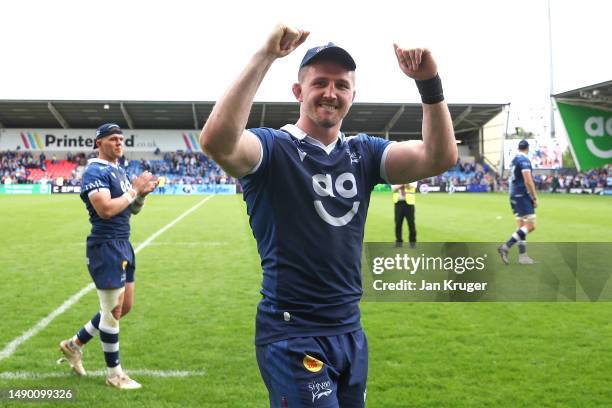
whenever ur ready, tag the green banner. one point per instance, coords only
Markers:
(590, 134)
(27, 189)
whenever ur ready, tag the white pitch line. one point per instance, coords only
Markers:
(10, 348)
(165, 244)
(180, 217)
(26, 375)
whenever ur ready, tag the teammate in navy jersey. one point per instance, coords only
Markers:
(307, 188)
(523, 200)
(110, 199)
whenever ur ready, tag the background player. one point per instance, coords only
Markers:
(110, 199)
(523, 200)
(307, 187)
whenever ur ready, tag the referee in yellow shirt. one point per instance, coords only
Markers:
(404, 197)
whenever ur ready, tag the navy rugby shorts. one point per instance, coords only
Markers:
(111, 263)
(522, 205)
(325, 371)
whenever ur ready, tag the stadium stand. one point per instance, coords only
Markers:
(182, 167)
(468, 171)
(62, 168)
(178, 167)
(393, 121)
(18, 167)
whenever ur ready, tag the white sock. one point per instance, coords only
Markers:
(116, 370)
(73, 343)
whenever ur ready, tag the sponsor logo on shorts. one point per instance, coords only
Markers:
(312, 364)
(320, 389)
(123, 266)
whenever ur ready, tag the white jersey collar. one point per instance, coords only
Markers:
(96, 160)
(301, 135)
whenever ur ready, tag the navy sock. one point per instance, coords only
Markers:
(90, 330)
(110, 345)
(518, 235)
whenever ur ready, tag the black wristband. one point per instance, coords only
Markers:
(430, 90)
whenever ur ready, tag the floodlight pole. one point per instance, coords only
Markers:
(550, 56)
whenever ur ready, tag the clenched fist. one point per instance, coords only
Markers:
(283, 40)
(417, 63)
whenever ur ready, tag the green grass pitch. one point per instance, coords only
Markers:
(198, 286)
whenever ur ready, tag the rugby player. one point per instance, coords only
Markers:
(307, 188)
(110, 199)
(523, 201)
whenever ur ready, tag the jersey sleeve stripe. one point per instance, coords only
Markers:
(97, 190)
(383, 159)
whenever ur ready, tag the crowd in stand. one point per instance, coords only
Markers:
(467, 173)
(183, 168)
(562, 180)
(195, 168)
(16, 167)
(13, 166)
(595, 178)
(177, 167)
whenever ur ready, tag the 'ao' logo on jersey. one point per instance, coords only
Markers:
(345, 186)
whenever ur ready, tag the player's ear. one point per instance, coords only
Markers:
(297, 91)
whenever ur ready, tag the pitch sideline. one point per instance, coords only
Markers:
(11, 347)
(27, 375)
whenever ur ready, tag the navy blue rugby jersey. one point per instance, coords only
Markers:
(307, 207)
(517, 182)
(102, 175)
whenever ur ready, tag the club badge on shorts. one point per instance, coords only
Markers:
(312, 364)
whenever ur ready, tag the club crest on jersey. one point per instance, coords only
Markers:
(324, 185)
(355, 156)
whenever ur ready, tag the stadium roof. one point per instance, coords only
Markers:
(598, 96)
(399, 121)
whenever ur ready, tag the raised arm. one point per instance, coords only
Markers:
(224, 138)
(409, 161)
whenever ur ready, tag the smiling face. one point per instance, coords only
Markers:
(110, 147)
(326, 91)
